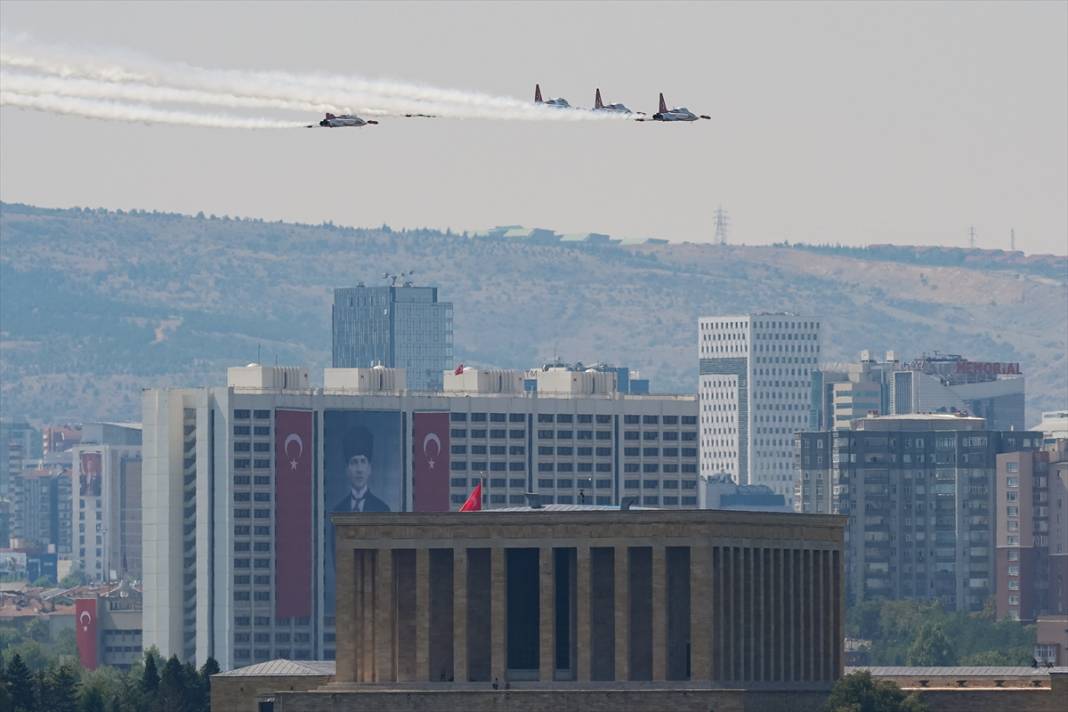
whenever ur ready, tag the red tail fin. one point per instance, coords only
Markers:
(597, 101)
(663, 104)
(330, 116)
(537, 94)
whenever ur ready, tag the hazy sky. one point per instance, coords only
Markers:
(847, 122)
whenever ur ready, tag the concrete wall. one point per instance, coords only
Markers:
(239, 693)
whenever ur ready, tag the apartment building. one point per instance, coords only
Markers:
(920, 493)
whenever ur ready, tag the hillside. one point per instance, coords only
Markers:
(96, 305)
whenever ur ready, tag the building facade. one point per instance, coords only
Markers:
(219, 466)
(754, 390)
(920, 494)
(20, 443)
(397, 327)
(106, 503)
(41, 506)
(561, 607)
(1032, 532)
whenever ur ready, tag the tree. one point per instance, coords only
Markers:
(20, 685)
(59, 689)
(860, 692)
(172, 690)
(92, 701)
(210, 667)
(931, 648)
(75, 578)
(150, 677)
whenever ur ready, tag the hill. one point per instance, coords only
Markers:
(96, 305)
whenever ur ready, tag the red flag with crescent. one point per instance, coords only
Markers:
(85, 631)
(430, 464)
(293, 451)
(474, 502)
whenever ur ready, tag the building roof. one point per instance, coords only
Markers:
(959, 671)
(285, 668)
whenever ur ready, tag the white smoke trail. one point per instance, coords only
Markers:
(113, 111)
(345, 93)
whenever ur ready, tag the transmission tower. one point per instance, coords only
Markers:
(722, 221)
(971, 236)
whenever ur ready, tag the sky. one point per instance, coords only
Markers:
(855, 123)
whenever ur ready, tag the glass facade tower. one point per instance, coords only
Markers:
(399, 327)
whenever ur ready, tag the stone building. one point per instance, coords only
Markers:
(561, 606)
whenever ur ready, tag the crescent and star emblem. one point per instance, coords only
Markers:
(431, 438)
(85, 619)
(293, 438)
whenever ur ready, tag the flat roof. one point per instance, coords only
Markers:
(283, 667)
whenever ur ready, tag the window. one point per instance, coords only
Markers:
(478, 417)
(545, 417)
(516, 418)
(458, 433)
(458, 417)
(631, 419)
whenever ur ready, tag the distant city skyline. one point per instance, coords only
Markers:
(852, 123)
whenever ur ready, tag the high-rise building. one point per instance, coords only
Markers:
(946, 383)
(397, 327)
(844, 392)
(106, 503)
(1032, 532)
(1053, 426)
(755, 391)
(20, 442)
(239, 482)
(41, 506)
(919, 491)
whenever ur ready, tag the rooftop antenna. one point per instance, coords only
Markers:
(258, 348)
(971, 237)
(1012, 239)
(721, 222)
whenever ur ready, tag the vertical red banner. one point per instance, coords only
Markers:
(430, 464)
(293, 456)
(85, 632)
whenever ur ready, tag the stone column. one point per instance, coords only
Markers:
(498, 615)
(700, 611)
(384, 609)
(583, 625)
(422, 615)
(459, 614)
(345, 614)
(660, 604)
(622, 612)
(546, 614)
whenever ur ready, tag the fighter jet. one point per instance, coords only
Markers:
(679, 113)
(599, 105)
(555, 103)
(333, 122)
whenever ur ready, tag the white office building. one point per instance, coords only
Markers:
(754, 391)
(239, 482)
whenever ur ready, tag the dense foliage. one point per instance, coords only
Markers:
(860, 692)
(922, 633)
(62, 686)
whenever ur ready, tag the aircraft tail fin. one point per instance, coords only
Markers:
(663, 104)
(597, 103)
(537, 94)
(330, 116)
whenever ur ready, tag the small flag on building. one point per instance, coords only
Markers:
(459, 370)
(474, 502)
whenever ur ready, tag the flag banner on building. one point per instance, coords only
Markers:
(430, 462)
(85, 631)
(89, 469)
(363, 471)
(293, 455)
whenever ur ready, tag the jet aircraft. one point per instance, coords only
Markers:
(333, 122)
(599, 105)
(679, 113)
(555, 103)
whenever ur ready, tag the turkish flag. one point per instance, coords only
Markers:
(459, 370)
(85, 631)
(430, 463)
(293, 451)
(474, 502)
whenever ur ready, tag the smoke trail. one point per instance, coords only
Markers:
(113, 111)
(345, 93)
